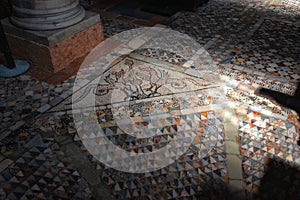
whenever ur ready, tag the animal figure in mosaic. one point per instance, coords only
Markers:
(146, 81)
(102, 89)
(141, 81)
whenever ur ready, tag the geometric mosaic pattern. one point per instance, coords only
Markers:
(42, 172)
(160, 114)
(210, 20)
(127, 186)
(25, 96)
(264, 138)
(159, 101)
(286, 10)
(267, 50)
(249, 34)
(190, 176)
(243, 85)
(199, 173)
(113, 27)
(34, 166)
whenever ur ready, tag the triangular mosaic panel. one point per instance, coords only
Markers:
(42, 172)
(263, 138)
(200, 173)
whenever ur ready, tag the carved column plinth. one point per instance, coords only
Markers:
(53, 35)
(46, 14)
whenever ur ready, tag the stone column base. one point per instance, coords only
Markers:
(57, 52)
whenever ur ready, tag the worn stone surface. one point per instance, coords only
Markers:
(234, 167)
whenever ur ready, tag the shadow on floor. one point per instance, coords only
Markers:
(281, 181)
(4, 9)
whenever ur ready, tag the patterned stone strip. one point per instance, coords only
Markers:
(255, 72)
(232, 150)
(243, 36)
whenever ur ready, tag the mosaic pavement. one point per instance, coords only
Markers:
(266, 50)
(40, 172)
(248, 36)
(235, 136)
(113, 26)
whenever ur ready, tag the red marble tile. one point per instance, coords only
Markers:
(64, 57)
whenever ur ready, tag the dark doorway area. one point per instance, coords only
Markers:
(143, 12)
(170, 7)
(4, 9)
(146, 9)
(132, 8)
